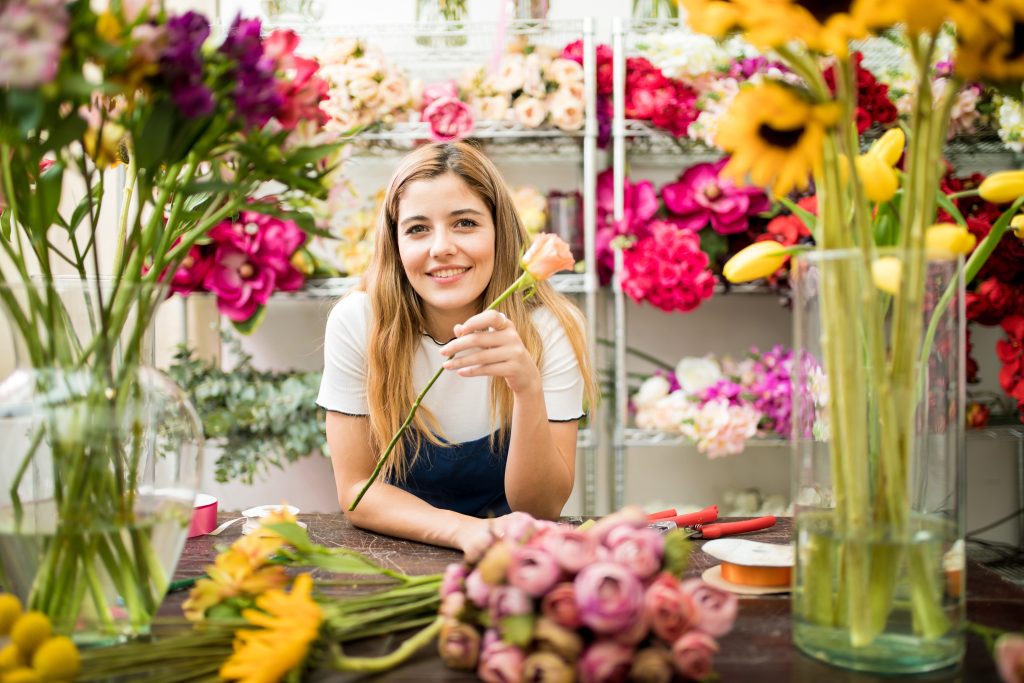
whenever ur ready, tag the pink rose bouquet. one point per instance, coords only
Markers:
(552, 602)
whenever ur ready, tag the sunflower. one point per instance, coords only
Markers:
(775, 135)
(289, 622)
(990, 34)
(926, 16)
(715, 18)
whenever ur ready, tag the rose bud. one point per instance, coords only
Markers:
(641, 551)
(651, 665)
(494, 563)
(454, 576)
(501, 663)
(573, 550)
(452, 605)
(605, 662)
(559, 605)
(547, 667)
(477, 590)
(693, 654)
(533, 570)
(509, 601)
(668, 609)
(716, 609)
(550, 637)
(609, 597)
(458, 644)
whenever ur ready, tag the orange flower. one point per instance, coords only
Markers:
(546, 256)
(233, 573)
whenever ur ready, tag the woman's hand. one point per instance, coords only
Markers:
(496, 350)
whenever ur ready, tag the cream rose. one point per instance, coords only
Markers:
(533, 79)
(564, 72)
(340, 50)
(509, 76)
(566, 112)
(365, 90)
(529, 111)
(363, 67)
(491, 108)
(394, 92)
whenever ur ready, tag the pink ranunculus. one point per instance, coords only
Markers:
(629, 517)
(668, 269)
(573, 550)
(1009, 653)
(669, 610)
(700, 196)
(452, 605)
(508, 601)
(240, 284)
(639, 549)
(436, 91)
(449, 118)
(635, 633)
(605, 662)
(609, 597)
(559, 605)
(477, 590)
(459, 645)
(454, 578)
(533, 570)
(501, 663)
(693, 655)
(716, 609)
(518, 526)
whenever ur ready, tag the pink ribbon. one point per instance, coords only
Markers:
(204, 516)
(499, 37)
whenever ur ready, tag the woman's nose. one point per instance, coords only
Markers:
(442, 244)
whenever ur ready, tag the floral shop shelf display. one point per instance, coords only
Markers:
(878, 380)
(101, 451)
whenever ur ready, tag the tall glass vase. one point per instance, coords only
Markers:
(101, 459)
(440, 23)
(878, 415)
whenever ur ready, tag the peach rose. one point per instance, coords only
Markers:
(530, 111)
(566, 112)
(491, 108)
(564, 72)
(546, 256)
(394, 92)
(509, 76)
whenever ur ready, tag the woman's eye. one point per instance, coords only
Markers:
(414, 229)
(466, 223)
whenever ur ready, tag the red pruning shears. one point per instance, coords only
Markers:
(700, 524)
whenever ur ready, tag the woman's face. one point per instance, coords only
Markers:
(446, 243)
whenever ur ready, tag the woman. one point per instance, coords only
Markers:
(497, 432)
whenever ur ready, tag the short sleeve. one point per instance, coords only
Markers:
(343, 384)
(560, 370)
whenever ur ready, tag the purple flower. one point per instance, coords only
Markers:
(640, 550)
(716, 609)
(501, 663)
(256, 94)
(533, 570)
(192, 99)
(243, 43)
(181, 64)
(31, 37)
(700, 197)
(609, 597)
(771, 391)
(605, 662)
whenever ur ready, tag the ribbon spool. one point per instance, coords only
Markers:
(204, 515)
(749, 567)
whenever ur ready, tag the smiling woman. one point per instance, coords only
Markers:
(498, 431)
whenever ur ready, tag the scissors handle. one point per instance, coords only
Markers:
(729, 528)
(708, 514)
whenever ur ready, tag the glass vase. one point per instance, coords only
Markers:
(440, 23)
(878, 420)
(101, 459)
(293, 12)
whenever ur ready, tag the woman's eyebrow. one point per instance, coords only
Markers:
(457, 212)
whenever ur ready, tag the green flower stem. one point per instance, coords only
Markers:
(132, 175)
(523, 281)
(376, 664)
(386, 628)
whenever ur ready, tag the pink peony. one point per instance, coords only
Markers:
(716, 609)
(449, 118)
(668, 269)
(454, 578)
(693, 655)
(437, 91)
(640, 550)
(605, 662)
(573, 550)
(700, 197)
(501, 663)
(1009, 652)
(518, 526)
(559, 605)
(609, 597)
(533, 570)
(668, 609)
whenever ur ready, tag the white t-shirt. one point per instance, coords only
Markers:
(461, 405)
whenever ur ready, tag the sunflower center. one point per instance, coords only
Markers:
(823, 9)
(775, 137)
(1017, 43)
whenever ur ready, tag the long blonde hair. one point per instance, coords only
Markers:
(397, 319)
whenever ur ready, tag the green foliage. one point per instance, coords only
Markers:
(260, 419)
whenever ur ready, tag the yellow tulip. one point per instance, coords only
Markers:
(1018, 226)
(890, 146)
(878, 178)
(945, 240)
(887, 272)
(760, 259)
(1003, 187)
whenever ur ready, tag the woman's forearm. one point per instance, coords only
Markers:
(538, 477)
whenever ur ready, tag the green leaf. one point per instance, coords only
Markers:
(517, 629)
(209, 186)
(26, 106)
(946, 203)
(82, 210)
(294, 534)
(5, 224)
(311, 155)
(713, 244)
(808, 218)
(250, 325)
(677, 552)
(68, 130)
(151, 144)
(47, 195)
(341, 564)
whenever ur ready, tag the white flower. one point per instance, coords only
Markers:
(564, 71)
(529, 111)
(566, 111)
(533, 80)
(509, 76)
(339, 50)
(653, 389)
(490, 108)
(719, 429)
(671, 412)
(1011, 123)
(696, 374)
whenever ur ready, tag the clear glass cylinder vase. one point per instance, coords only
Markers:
(102, 457)
(878, 420)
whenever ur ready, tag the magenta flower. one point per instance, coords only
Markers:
(700, 197)
(693, 655)
(668, 269)
(669, 611)
(609, 597)
(605, 662)
(641, 550)
(1009, 652)
(190, 275)
(301, 90)
(533, 570)
(573, 550)
(454, 578)
(501, 663)
(716, 609)
(240, 284)
(559, 605)
(449, 118)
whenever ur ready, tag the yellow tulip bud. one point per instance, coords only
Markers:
(11, 658)
(878, 178)
(887, 272)
(10, 610)
(1003, 187)
(945, 240)
(57, 659)
(760, 259)
(889, 147)
(1018, 226)
(30, 631)
(22, 675)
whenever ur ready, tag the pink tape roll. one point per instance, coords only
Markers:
(204, 516)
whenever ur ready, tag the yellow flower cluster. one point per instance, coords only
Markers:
(33, 654)
(242, 571)
(289, 622)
